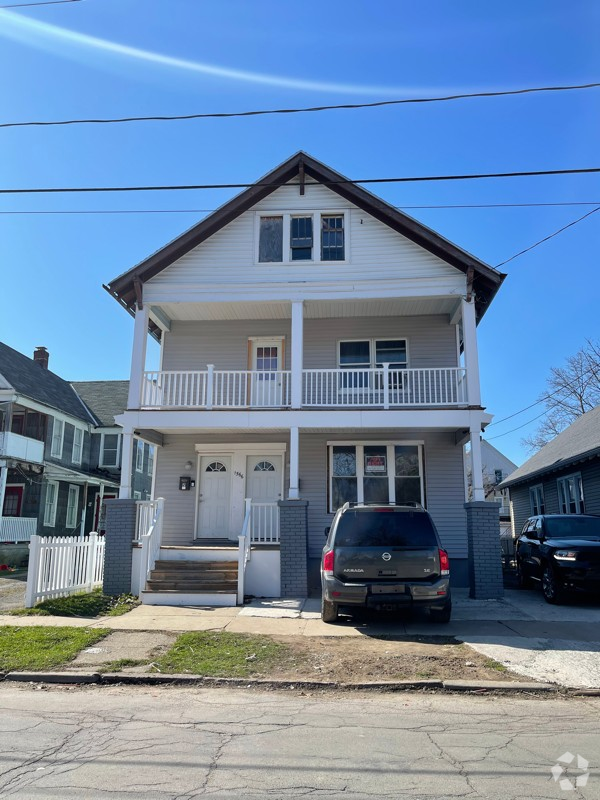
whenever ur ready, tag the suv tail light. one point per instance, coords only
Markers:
(328, 562)
(444, 563)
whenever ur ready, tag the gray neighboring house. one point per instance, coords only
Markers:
(60, 449)
(563, 477)
(496, 468)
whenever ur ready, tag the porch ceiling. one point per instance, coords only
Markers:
(313, 309)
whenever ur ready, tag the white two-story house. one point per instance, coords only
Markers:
(317, 347)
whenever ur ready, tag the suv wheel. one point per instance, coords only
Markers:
(551, 589)
(441, 616)
(329, 611)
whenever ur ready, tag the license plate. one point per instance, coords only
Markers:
(397, 589)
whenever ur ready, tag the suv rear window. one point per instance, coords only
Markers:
(385, 529)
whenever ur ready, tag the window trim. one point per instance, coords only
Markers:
(286, 244)
(102, 463)
(372, 349)
(360, 474)
(58, 452)
(579, 495)
(50, 519)
(77, 429)
(72, 523)
(538, 488)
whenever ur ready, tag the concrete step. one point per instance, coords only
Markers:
(179, 598)
(191, 586)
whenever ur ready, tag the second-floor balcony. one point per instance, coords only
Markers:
(23, 448)
(382, 387)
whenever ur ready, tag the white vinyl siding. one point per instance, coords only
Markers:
(72, 506)
(58, 435)
(51, 504)
(77, 452)
(373, 250)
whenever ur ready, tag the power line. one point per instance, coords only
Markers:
(306, 208)
(546, 238)
(47, 3)
(524, 425)
(309, 109)
(343, 181)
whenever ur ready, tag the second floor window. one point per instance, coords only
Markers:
(77, 445)
(150, 460)
(332, 238)
(270, 242)
(109, 450)
(58, 432)
(301, 238)
(285, 238)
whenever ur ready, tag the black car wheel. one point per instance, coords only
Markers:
(441, 616)
(329, 611)
(551, 588)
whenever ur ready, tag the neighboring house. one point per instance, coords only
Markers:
(317, 346)
(59, 449)
(561, 478)
(496, 467)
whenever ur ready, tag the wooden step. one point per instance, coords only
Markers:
(195, 565)
(218, 587)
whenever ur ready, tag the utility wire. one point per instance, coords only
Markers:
(524, 425)
(210, 210)
(309, 109)
(47, 3)
(343, 181)
(551, 236)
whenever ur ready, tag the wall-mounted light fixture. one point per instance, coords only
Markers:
(188, 465)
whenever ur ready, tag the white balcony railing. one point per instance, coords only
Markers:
(382, 387)
(13, 445)
(17, 529)
(264, 524)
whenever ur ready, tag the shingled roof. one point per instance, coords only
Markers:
(486, 280)
(579, 442)
(106, 399)
(37, 383)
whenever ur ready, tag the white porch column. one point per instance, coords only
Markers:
(126, 466)
(297, 352)
(470, 351)
(138, 357)
(476, 464)
(294, 492)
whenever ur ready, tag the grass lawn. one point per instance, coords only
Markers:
(43, 648)
(221, 654)
(84, 604)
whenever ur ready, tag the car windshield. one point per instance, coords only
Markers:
(387, 528)
(573, 527)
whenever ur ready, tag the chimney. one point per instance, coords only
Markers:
(41, 356)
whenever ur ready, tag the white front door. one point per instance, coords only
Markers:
(214, 497)
(264, 486)
(267, 379)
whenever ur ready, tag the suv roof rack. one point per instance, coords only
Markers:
(407, 504)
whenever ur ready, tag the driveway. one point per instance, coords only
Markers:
(12, 590)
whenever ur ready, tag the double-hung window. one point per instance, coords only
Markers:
(109, 450)
(77, 445)
(375, 473)
(285, 238)
(72, 506)
(536, 498)
(58, 433)
(139, 455)
(150, 460)
(359, 356)
(570, 495)
(50, 504)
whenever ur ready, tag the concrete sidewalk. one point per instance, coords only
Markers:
(548, 643)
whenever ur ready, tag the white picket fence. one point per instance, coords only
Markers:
(63, 565)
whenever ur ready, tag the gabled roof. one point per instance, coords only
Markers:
(37, 383)
(486, 280)
(105, 399)
(578, 442)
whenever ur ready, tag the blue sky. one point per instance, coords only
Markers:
(111, 58)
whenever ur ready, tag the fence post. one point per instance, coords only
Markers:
(33, 570)
(91, 561)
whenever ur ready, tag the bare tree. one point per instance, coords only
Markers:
(571, 391)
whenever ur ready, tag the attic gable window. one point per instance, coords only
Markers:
(301, 238)
(332, 238)
(270, 243)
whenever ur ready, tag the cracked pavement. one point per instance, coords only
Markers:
(181, 744)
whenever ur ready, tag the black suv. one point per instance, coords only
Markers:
(383, 557)
(561, 552)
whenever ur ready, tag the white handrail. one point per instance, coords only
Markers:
(264, 527)
(145, 513)
(244, 550)
(151, 544)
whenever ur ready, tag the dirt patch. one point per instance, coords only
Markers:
(12, 590)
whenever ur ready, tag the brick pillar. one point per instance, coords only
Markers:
(293, 547)
(120, 530)
(485, 562)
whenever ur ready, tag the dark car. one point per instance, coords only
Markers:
(560, 552)
(384, 557)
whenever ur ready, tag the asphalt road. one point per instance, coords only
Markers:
(179, 744)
